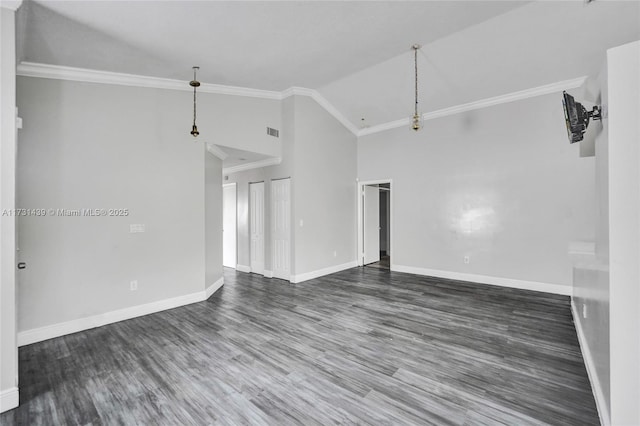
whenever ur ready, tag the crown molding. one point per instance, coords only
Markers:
(384, 126)
(324, 103)
(483, 103)
(58, 72)
(252, 165)
(509, 97)
(11, 4)
(215, 150)
(294, 90)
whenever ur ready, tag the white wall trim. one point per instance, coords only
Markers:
(403, 122)
(268, 274)
(9, 399)
(215, 150)
(564, 290)
(243, 268)
(596, 388)
(11, 4)
(252, 165)
(58, 72)
(322, 272)
(35, 335)
(213, 288)
(324, 103)
(482, 103)
(295, 90)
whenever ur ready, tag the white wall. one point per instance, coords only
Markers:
(265, 174)
(8, 344)
(501, 185)
(319, 155)
(239, 122)
(213, 219)
(325, 190)
(99, 146)
(624, 231)
(591, 271)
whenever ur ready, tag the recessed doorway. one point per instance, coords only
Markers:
(375, 224)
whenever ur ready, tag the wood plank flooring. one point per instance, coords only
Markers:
(363, 346)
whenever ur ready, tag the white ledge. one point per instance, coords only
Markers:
(215, 150)
(252, 165)
(11, 4)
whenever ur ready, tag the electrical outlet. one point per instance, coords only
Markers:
(335, 253)
(466, 259)
(133, 285)
(301, 223)
(584, 310)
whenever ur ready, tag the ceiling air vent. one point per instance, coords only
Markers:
(273, 132)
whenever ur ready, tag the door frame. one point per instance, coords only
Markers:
(272, 224)
(360, 245)
(264, 242)
(226, 185)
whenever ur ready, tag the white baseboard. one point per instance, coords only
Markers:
(564, 290)
(243, 268)
(9, 399)
(35, 335)
(322, 272)
(213, 288)
(596, 388)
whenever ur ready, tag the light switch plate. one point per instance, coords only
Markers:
(135, 228)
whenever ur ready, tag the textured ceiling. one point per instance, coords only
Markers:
(262, 45)
(535, 45)
(355, 53)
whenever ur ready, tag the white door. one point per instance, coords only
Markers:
(281, 227)
(371, 224)
(229, 225)
(256, 224)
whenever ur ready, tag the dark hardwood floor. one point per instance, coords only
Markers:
(363, 346)
(383, 263)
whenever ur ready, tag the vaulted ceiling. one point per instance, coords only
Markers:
(355, 53)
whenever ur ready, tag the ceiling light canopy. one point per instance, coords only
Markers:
(194, 83)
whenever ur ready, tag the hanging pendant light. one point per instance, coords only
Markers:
(194, 83)
(416, 120)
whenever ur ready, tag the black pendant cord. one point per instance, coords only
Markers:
(415, 62)
(194, 99)
(195, 84)
(416, 119)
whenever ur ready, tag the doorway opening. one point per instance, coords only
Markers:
(375, 203)
(229, 225)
